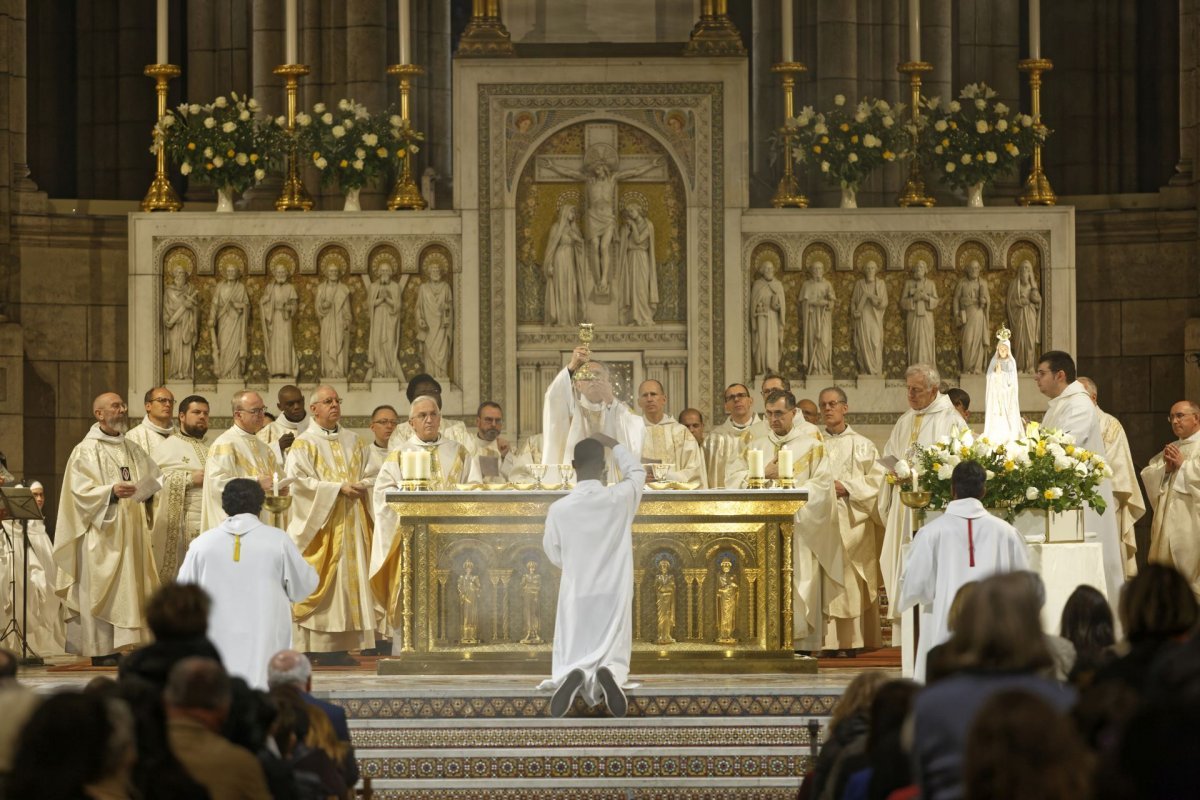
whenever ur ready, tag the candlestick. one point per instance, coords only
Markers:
(715, 34)
(405, 194)
(293, 196)
(786, 463)
(788, 195)
(404, 14)
(1037, 185)
(1035, 29)
(785, 19)
(160, 52)
(914, 30)
(289, 33)
(914, 188)
(161, 195)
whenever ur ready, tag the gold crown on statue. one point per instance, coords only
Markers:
(1004, 334)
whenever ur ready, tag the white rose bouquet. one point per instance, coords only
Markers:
(847, 143)
(346, 143)
(224, 143)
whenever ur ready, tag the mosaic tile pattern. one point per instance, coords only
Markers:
(608, 736)
(567, 765)
(638, 793)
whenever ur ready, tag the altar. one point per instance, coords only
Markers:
(473, 592)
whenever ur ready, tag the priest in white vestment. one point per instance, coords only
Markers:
(1130, 505)
(717, 450)
(44, 629)
(292, 421)
(817, 555)
(181, 459)
(331, 525)
(425, 385)
(102, 539)
(245, 565)
(965, 544)
(1072, 411)
(930, 416)
(1172, 482)
(529, 451)
(490, 453)
(384, 420)
(238, 453)
(741, 424)
(159, 422)
(853, 620)
(589, 536)
(666, 441)
(576, 408)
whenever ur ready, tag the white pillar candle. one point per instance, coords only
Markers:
(916, 478)
(290, 29)
(425, 465)
(914, 30)
(405, 465)
(161, 51)
(275, 483)
(786, 463)
(785, 9)
(405, 17)
(1035, 29)
(754, 460)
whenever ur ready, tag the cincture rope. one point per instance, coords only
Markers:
(971, 541)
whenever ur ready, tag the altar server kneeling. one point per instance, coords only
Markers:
(589, 536)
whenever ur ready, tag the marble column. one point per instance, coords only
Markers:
(1189, 85)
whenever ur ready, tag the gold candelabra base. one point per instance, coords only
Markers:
(1037, 185)
(417, 485)
(715, 35)
(914, 193)
(485, 37)
(405, 194)
(293, 196)
(161, 195)
(785, 483)
(788, 194)
(758, 483)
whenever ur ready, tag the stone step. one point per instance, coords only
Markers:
(661, 789)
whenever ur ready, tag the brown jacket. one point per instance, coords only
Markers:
(228, 772)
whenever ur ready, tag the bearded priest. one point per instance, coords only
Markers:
(181, 458)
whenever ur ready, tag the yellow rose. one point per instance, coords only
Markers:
(381, 152)
(888, 155)
(343, 163)
(854, 139)
(191, 146)
(824, 140)
(209, 165)
(230, 152)
(816, 148)
(316, 154)
(844, 127)
(254, 158)
(1009, 466)
(1069, 449)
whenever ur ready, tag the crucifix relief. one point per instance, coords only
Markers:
(601, 169)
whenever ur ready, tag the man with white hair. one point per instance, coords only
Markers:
(293, 670)
(331, 525)
(102, 546)
(239, 453)
(1172, 480)
(930, 416)
(43, 625)
(1130, 505)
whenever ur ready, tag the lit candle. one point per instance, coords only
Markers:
(916, 478)
(289, 36)
(405, 17)
(785, 8)
(275, 484)
(1035, 29)
(914, 30)
(786, 463)
(161, 51)
(754, 460)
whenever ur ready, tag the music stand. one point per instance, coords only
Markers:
(20, 504)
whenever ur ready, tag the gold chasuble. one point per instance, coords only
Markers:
(102, 546)
(177, 506)
(334, 534)
(1130, 506)
(1175, 498)
(235, 454)
(720, 452)
(668, 442)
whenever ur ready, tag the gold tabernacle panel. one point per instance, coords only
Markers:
(712, 578)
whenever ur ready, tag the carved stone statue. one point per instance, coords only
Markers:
(919, 300)
(180, 303)
(1002, 409)
(278, 306)
(727, 601)
(664, 596)
(227, 321)
(867, 304)
(435, 319)
(971, 303)
(531, 592)
(816, 314)
(383, 304)
(639, 273)
(1025, 317)
(469, 588)
(564, 267)
(334, 313)
(767, 312)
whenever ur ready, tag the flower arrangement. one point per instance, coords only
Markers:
(849, 143)
(1043, 469)
(405, 140)
(975, 139)
(222, 143)
(346, 144)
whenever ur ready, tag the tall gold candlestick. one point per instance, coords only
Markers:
(914, 189)
(293, 196)
(1037, 186)
(715, 34)
(161, 195)
(788, 194)
(405, 194)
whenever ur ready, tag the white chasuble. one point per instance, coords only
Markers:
(276, 429)
(177, 506)
(668, 442)
(1175, 498)
(1130, 505)
(487, 451)
(568, 418)
(235, 454)
(453, 429)
(756, 427)
(102, 547)
(149, 436)
(333, 533)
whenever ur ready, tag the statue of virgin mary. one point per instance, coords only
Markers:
(1002, 411)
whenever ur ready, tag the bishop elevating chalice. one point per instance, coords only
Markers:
(587, 332)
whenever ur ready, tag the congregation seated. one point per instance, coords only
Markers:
(884, 766)
(847, 734)
(178, 617)
(1087, 622)
(292, 670)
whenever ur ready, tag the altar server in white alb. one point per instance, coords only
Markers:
(1072, 411)
(44, 633)
(253, 573)
(238, 453)
(331, 524)
(965, 544)
(589, 536)
(667, 441)
(1172, 481)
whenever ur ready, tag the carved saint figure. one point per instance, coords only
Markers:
(468, 599)
(816, 313)
(971, 303)
(383, 304)
(767, 312)
(866, 309)
(1025, 317)
(531, 592)
(639, 274)
(334, 312)
(435, 320)
(278, 306)
(919, 300)
(727, 600)
(227, 322)
(564, 267)
(180, 302)
(664, 595)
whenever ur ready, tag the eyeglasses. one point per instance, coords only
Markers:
(167, 400)
(1180, 415)
(329, 401)
(386, 422)
(254, 411)
(729, 398)
(832, 404)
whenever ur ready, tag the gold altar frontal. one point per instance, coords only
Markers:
(712, 583)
